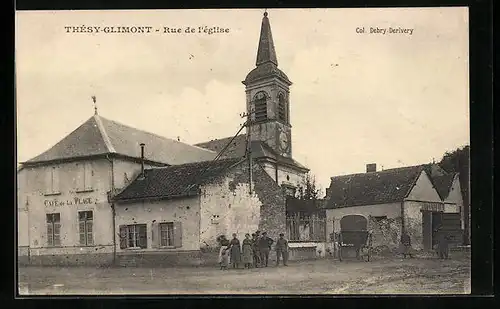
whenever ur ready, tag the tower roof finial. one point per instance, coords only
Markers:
(266, 52)
(95, 104)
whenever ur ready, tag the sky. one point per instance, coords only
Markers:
(357, 98)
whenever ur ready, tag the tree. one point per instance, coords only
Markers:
(309, 189)
(457, 161)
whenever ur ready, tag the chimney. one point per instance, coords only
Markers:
(370, 168)
(142, 160)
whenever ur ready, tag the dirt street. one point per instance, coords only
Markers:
(380, 276)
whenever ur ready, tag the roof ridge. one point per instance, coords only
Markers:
(377, 172)
(154, 134)
(104, 134)
(195, 163)
(219, 139)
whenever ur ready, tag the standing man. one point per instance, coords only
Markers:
(256, 251)
(281, 250)
(443, 245)
(265, 244)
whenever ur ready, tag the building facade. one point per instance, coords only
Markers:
(64, 216)
(395, 201)
(173, 215)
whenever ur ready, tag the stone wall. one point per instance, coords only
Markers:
(273, 209)
(386, 234)
(168, 259)
(90, 259)
(227, 207)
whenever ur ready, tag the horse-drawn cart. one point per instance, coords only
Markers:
(355, 237)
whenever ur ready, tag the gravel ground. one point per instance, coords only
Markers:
(422, 275)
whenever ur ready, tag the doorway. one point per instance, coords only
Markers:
(427, 229)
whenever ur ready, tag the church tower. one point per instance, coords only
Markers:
(267, 97)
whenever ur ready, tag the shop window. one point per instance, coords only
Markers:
(53, 229)
(85, 219)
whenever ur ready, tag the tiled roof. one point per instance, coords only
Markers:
(443, 184)
(236, 149)
(387, 186)
(176, 180)
(99, 136)
(238, 146)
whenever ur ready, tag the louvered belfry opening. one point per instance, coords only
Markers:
(260, 103)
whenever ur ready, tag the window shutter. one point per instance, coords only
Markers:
(57, 234)
(88, 176)
(80, 177)
(48, 181)
(123, 236)
(177, 234)
(143, 236)
(55, 180)
(50, 234)
(90, 239)
(155, 235)
(82, 232)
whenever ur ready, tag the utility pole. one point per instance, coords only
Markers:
(249, 149)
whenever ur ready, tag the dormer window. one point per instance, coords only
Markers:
(282, 115)
(260, 103)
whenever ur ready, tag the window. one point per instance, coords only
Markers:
(85, 219)
(133, 236)
(52, 181)
(282, 110)
(167, 234)
(260, 106)
(53, 229)
(84, 178)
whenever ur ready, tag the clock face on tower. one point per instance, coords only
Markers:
(284, 142)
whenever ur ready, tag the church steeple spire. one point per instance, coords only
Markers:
(266, 52)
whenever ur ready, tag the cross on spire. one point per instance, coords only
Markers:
(95, 104)
(266, 52)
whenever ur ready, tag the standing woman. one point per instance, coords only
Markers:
(224, 253)
(235, 251)
(247, 249)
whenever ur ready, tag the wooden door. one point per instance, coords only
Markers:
(427, 229)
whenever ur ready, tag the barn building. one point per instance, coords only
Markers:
(393, 201)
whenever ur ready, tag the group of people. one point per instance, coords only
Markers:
(442, 246)
(252, 252)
